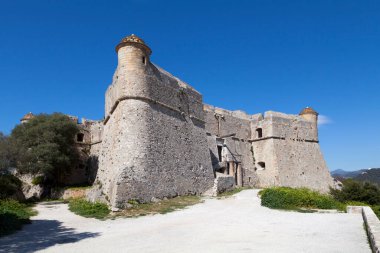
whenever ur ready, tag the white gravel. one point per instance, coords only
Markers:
(235, 224)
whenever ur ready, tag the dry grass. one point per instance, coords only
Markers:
(162, 207)
(232, 192)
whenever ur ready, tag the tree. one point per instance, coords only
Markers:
(46, 145)
(7, 158)
(9, 184)
(358, 191)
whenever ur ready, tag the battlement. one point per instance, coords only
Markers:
(222, 122)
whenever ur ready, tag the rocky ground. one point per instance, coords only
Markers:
(235, 224)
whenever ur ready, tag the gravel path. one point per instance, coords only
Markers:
(235, 224)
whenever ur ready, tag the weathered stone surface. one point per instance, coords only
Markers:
(373, 227)
(286, 154)
(154, 143)
(28, 188)
(223, 183)
(159, 140)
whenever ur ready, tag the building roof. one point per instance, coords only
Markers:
(308, 110)
(133, 40)
(27, 116)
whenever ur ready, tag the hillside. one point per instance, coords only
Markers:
(365, 175)
(372, 175)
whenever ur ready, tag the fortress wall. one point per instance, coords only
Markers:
(301, 164)
(154, 142)
(232, 122)
(234, 127)
(264, 153)
(293, 156)
(291, 126)
(123, 146)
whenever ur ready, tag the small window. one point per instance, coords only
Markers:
(80, 137)
(261, 166)
(259, 132)
(143, 60)
(220, 153)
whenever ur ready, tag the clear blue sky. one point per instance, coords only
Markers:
(58, 56)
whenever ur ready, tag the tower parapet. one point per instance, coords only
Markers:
(133, 53)
(311, 115)
(27, 117)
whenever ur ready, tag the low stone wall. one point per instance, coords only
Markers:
(373, 227)
(223, 183)
(372, 224)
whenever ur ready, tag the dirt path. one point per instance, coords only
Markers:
(236, 224)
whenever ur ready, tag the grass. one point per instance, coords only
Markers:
(162, 207)
(88, 209)
(78, 188)
(232, 192)
(13, 215)
(100, 211)
(298, 199)
(376, 210)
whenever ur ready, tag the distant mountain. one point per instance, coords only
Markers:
(346, 174)
(366, 175)
(371, 175)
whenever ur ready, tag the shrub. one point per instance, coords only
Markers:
(38, 180)
(9, 185)
(376, 210)
(13, 215)
(88, 209)
(357, 191)
(292, 199)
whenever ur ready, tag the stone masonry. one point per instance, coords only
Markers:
(158, 139)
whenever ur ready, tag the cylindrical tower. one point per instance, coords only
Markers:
(311, 115)
(133, 54)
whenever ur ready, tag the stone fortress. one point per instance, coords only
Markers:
(158, 139)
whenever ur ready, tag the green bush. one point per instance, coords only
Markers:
(88, 209)
(9, 185)
(38, 180)
(376, 210)
(13, 215)
(293, 199)
(357, 191)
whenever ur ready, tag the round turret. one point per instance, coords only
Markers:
(27, 117)
(134, 41)
(309, 114)
(133, 54)
(308, 110)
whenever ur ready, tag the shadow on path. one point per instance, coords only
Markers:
(41, 234)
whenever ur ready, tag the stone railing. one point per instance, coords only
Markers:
(372, 224)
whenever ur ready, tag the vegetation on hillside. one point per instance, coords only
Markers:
(371, 176)
(296, 199)
(357, 191)
(45, 146)
(365, 175)
(9, 186)
(13, 215)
